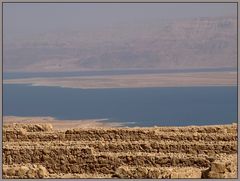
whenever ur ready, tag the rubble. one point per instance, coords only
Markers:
(39, 151)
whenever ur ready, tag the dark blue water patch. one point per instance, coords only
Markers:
(177, 106)
(20, 75)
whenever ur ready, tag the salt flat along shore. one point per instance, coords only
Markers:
(42, 150)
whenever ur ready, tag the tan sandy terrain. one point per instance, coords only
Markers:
(135, 81)
(61, 124)
(32, 150)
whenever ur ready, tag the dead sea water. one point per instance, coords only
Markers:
(175, 106)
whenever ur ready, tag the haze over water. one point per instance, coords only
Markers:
(68, 41)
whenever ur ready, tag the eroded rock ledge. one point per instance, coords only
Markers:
(39, 151)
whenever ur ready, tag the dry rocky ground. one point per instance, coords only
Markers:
(39, 151)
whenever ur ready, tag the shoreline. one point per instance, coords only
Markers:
(87, 123)
(62, 124)
(134, 81)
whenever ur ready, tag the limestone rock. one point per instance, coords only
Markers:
(42, 171)
(218, 167)
(37, 151)
(22, 172)
(186, 173)
(123, 172)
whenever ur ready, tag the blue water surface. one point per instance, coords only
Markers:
(176, 106)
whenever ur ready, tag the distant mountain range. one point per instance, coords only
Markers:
(179, 44)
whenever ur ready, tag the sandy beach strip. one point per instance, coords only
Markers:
(62, 124)
(135, 81)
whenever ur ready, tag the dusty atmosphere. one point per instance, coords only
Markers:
(135, 81)
(144, 43)
(40, 150)
(124, 64)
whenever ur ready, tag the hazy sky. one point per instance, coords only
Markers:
(30, 18)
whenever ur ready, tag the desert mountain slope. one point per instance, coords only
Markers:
(184, 43)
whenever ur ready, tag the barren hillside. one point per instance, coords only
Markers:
(179, 44)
